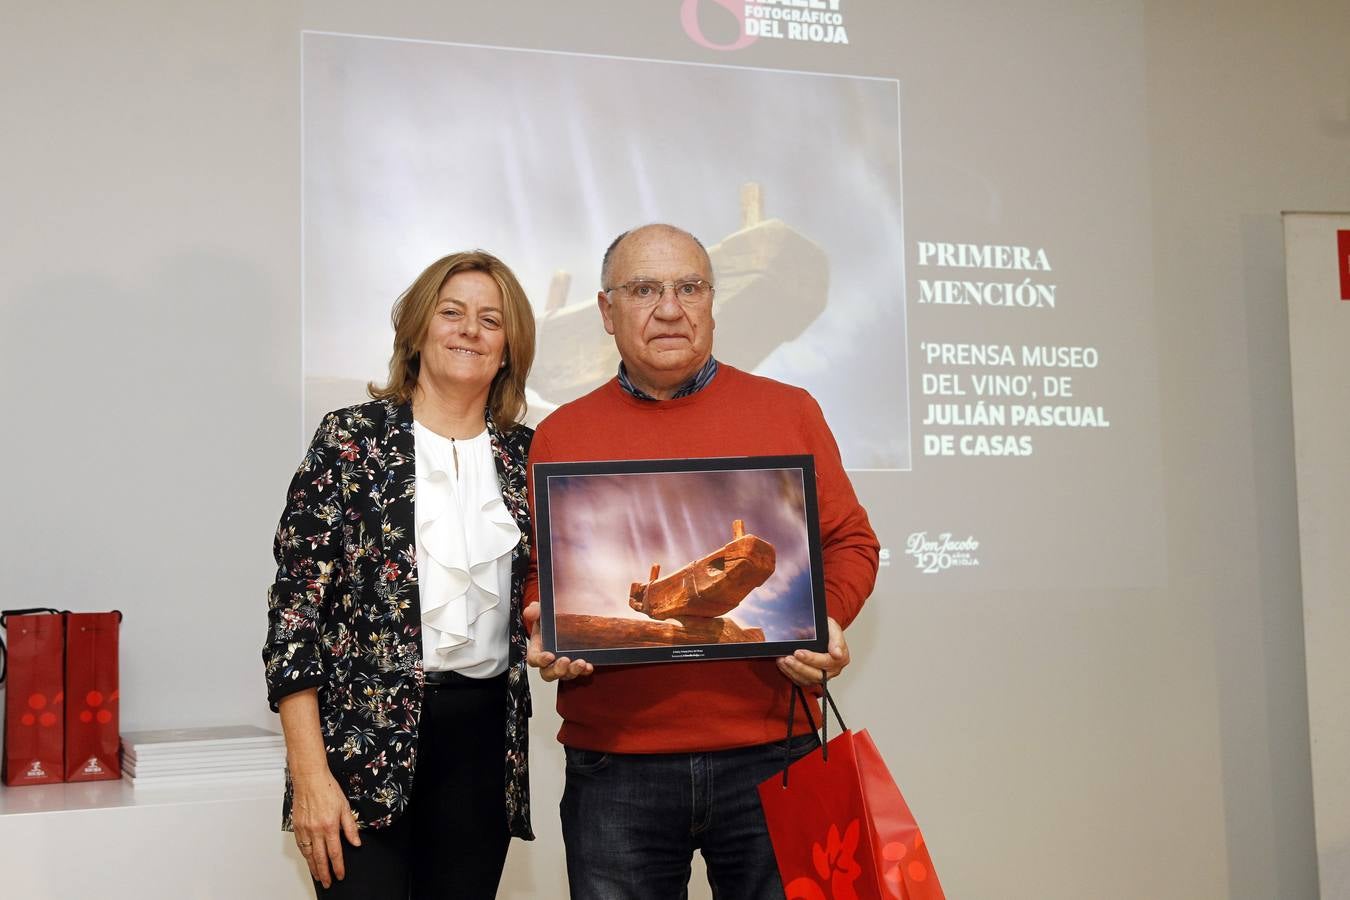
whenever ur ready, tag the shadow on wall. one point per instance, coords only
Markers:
(1265, 659)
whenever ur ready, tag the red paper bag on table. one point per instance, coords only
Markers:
(92, 735)
(33, 674)
(841, 829)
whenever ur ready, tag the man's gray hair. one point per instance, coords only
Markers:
(606, 263)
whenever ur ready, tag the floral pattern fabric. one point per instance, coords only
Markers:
(344, 615)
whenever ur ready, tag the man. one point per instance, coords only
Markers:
(665, 759)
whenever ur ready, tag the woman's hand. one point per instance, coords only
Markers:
(320, 813)
(321, 817)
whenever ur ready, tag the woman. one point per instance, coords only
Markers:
(395, 649)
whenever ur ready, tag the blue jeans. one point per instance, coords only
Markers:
(631, 822)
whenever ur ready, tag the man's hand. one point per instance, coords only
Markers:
(550, 668)
(807, 668)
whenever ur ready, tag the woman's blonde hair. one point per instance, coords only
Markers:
(411, 317)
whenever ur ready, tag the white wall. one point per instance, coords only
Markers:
(1251, 115)
(1149, 743)
(150, 331)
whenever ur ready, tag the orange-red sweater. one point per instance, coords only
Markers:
(715, 704)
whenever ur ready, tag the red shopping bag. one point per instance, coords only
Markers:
(92, 740)
(33, 673)
(841, 829)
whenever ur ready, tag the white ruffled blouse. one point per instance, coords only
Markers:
(465, 535)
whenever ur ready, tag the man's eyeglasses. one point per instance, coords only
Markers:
(648, 291)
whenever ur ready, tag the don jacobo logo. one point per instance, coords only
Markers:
(938, 553)
(743, 22)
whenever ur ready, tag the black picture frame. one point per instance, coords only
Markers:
(595, 521)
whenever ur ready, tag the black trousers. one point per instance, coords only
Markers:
(450, 843)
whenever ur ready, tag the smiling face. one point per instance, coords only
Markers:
(465, 340)
(662, 346)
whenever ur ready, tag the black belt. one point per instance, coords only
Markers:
(450, 678)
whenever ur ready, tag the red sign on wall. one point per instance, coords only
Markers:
(1343, 261)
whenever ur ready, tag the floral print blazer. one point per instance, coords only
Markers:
(343, 614)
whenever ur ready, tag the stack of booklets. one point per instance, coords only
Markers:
(206, 756)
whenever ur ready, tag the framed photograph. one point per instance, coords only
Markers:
(685, 559)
